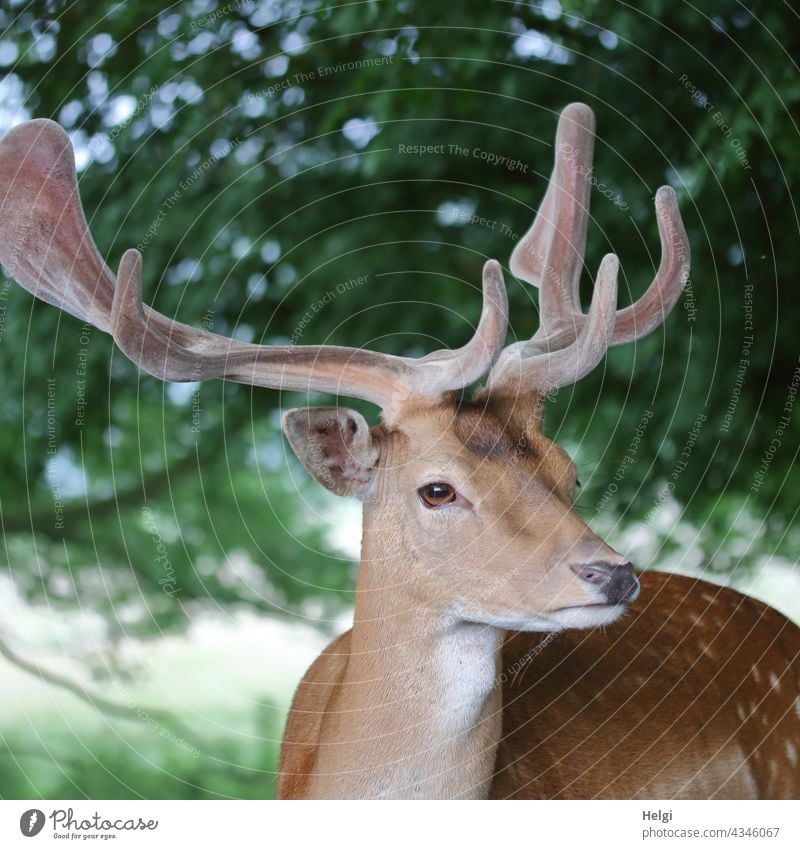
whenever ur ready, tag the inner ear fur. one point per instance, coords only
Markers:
(336, 445)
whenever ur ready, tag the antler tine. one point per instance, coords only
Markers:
(526, 367)
(471, 362)
(646, 314)
(46, 246)
(550, 256)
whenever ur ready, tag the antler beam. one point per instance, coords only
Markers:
(46, 246)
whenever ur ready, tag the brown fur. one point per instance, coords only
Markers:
(658, 705)
(693, 695)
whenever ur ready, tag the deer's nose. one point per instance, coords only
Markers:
(617, 582)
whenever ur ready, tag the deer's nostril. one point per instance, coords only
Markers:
(594, 573)
(618, 583)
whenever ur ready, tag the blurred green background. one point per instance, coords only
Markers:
(151, 635)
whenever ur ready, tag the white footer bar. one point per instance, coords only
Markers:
(328, 825)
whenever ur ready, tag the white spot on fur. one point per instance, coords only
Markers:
(791, 752)
(756, 674)
(706, 649)
(775, 682)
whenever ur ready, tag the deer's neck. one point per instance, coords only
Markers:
(418, 712)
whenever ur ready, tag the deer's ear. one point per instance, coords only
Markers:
(336, 446)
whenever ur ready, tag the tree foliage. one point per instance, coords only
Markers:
(260, 155)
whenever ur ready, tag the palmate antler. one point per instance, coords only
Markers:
(46, 246)
(570, 343)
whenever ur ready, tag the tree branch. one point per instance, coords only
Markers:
(149, 716)
(100, 703)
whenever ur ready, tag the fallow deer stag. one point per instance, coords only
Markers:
(464, 675)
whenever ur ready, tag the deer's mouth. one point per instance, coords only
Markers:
(587, 615)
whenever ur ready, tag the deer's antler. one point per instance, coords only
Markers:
(569, 343)
(46, 246)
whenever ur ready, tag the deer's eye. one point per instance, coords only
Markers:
(436, 494)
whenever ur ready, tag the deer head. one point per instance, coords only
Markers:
(468, 506)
